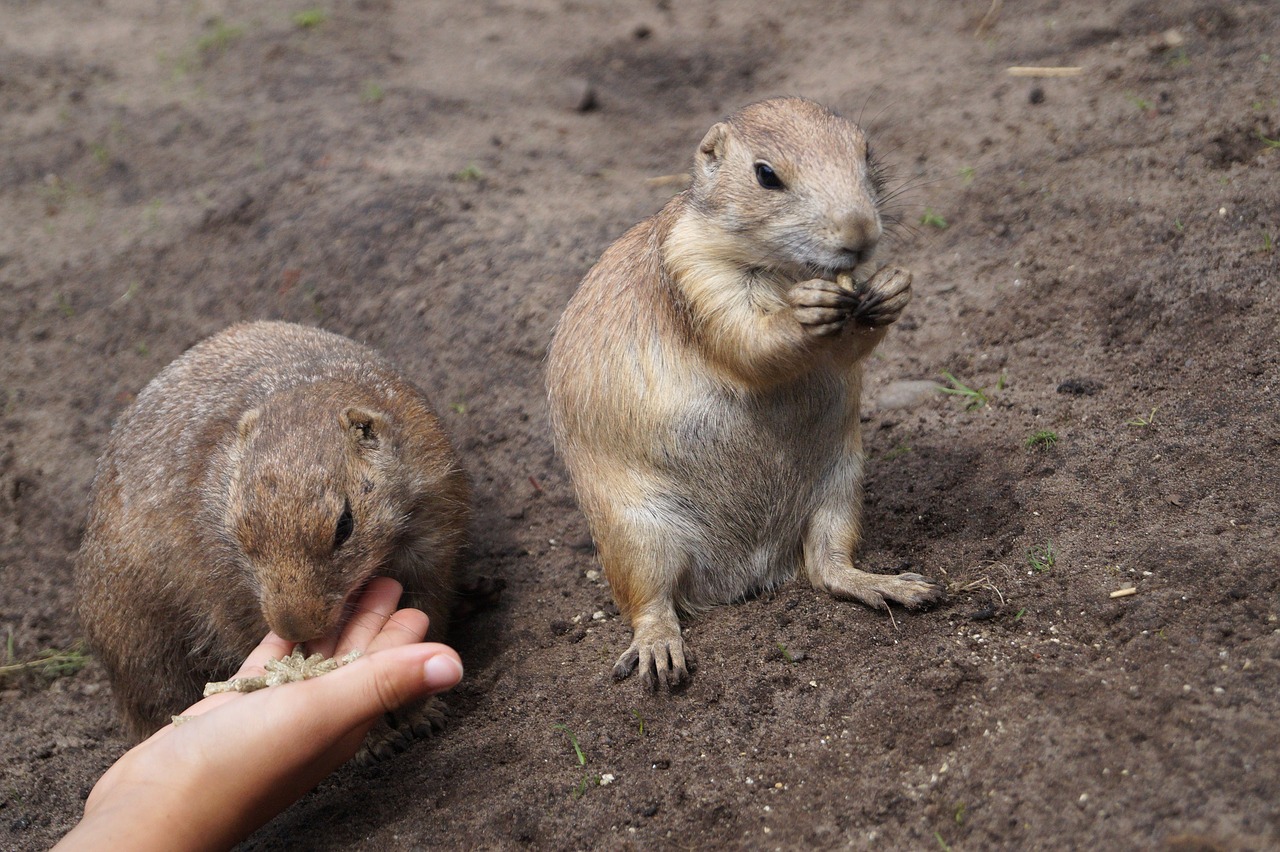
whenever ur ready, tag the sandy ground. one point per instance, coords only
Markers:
(1097, 253)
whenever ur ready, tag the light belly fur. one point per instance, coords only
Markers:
(738, 489)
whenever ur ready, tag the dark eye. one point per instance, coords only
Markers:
(346, 523)
(767, 177)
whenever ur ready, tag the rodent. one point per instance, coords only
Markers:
(704, 380)
(259, 481)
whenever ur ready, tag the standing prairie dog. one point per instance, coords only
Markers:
(259, 481)
(704, 381)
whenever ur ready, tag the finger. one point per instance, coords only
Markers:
(897, 301)
(815, 297)
(886, 273)
(891, 286)
(818, 316)
(404, 627)
(368, 608)
(662, 665)
(372, 609)
(679, 670)
(272, 647)
(358, 694)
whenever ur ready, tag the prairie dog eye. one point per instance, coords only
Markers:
(346, 524)
(767, 177)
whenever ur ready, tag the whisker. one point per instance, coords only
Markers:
(862, 109)
(910, 185)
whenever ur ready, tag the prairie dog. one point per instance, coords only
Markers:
(259, 481)
(704, 381)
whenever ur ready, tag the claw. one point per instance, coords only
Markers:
(626, 663)
(661, 663)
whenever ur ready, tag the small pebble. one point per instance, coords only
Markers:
(580, 95)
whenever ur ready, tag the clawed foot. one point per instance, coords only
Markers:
(397, 731)
(663, 660)
(875, 590)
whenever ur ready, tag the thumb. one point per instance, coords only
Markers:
(365, 689)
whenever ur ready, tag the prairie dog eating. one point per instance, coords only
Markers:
(704, 380)
(259, 481)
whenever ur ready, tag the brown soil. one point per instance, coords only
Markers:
(419, 176)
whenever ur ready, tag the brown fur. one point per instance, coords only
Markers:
(704, 381)
(217, 503)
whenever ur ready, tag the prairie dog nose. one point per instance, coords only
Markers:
(298, 621)
(859, 231)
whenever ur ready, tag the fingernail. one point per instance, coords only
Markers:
(442, 670)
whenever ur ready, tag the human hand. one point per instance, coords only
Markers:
(244, 757)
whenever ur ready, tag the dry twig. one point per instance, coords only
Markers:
(989, 18)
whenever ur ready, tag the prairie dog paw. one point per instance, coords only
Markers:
(883, 297)
(821, 306)
(876, 590)
(661, 660)
(395, 732)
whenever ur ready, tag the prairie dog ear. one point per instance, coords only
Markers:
(248, 422)
(365, 426)
(711, 151)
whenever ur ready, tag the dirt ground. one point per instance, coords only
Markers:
(1097, 253)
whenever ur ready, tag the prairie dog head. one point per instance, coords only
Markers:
(792, 178)
(311, 508)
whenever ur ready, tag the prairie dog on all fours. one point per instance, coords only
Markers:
(704, 380)
(259, 481)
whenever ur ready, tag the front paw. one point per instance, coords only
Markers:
(822, 307)
(883, 298)
(394, 732)
(661, 660)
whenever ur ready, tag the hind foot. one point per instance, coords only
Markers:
(875, 590)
